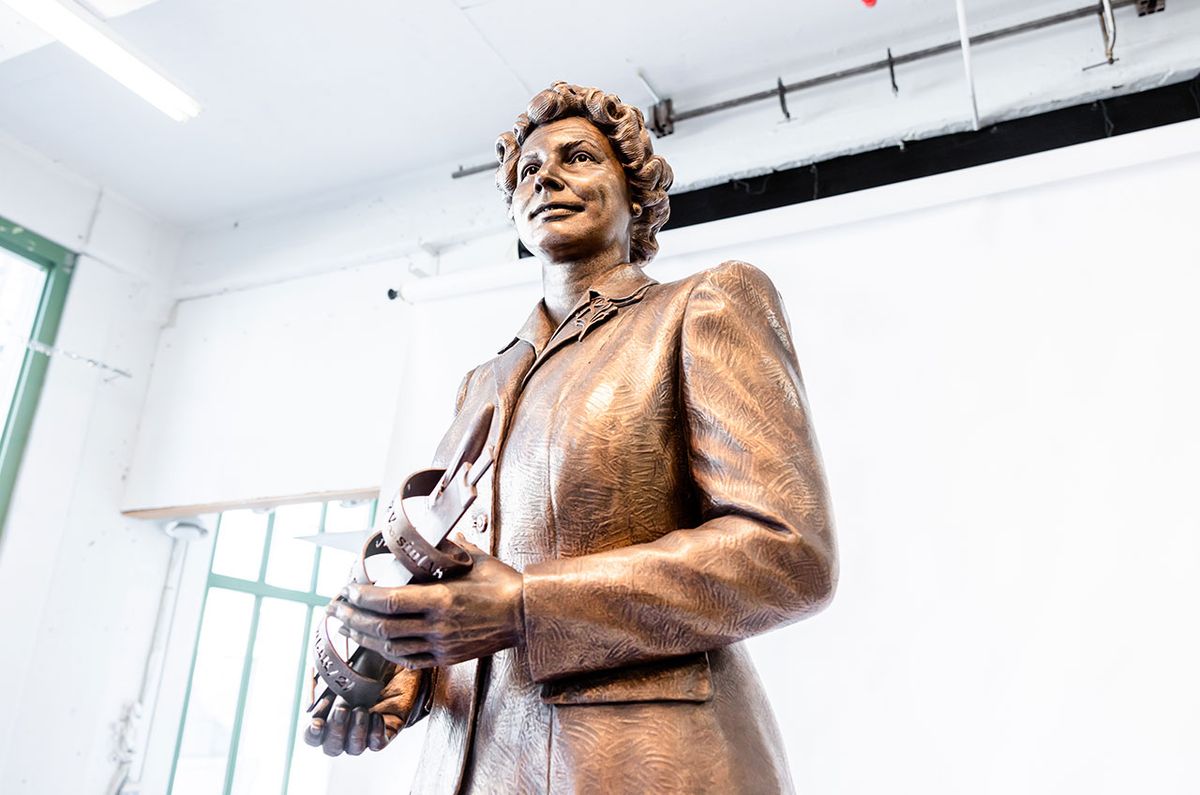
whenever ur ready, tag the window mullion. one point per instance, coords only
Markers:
(300, 678)
(243, 692)
(19, 417)
(316, 569)
(266, 553)
(262, 589)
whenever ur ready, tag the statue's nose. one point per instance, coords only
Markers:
(547, 180)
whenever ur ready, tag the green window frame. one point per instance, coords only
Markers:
(58, 264)
(260, 589)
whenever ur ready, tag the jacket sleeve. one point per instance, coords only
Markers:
(763, 553)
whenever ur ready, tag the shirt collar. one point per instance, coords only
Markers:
(623, 284)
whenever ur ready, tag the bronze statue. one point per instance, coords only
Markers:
(657, 496)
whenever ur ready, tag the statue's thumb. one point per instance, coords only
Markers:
(473, 550)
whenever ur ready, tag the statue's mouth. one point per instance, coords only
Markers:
(556, 208)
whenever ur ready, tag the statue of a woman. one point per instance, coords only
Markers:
(658, 496)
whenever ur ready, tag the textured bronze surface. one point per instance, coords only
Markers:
(658, 496)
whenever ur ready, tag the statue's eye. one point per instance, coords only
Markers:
(582, 157)
(531, 168)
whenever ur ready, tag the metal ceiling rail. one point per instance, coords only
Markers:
(900, 60)
(663, 117)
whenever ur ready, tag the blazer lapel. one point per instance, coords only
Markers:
(593, 310)
(508, 371)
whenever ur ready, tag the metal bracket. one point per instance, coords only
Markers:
(1145, 7)
(662, 118)
(782, 98)
(466, 171)
(1108, 29)
(1108, 26)
(892, 73)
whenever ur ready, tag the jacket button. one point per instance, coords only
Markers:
(479, 522)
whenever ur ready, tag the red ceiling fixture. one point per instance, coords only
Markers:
(869, 3)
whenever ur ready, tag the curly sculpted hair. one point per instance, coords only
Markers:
(647, 174)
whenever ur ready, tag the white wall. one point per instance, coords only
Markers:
(1002, 387)
(80, 580)
(1002, 397)
(273, 392)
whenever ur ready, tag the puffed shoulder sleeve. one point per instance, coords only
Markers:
(763, 553)
(753, 453)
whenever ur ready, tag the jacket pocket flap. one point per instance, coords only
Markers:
(677, 679)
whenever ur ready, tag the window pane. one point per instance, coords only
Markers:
(21, 284)
(347, 517)
(278, 650)
(220, 655)
(310, 767)
(336, 563)
(290, 562)
(240, 543)
(335, 571)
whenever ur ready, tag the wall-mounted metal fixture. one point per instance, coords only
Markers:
(1108, 29)
(1145, 7)
(1108, 24)
(782, 98)
(50, 351)
(662, 117)
(466, 171)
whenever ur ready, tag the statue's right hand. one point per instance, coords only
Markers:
(339, 728)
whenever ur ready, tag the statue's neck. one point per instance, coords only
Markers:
(564, 283)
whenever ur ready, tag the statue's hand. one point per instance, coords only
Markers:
(421, 626)
(338, 728)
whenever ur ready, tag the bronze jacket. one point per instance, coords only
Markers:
(659, 484)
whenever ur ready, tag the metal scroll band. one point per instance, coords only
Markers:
(358, 689)
(423, 560)
(448, 494)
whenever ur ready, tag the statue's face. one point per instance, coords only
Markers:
(571, 199)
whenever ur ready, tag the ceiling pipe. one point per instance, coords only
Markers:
(884, 65)
(964, 40)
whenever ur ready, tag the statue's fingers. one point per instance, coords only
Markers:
(392, 724)
(314, 735)
(366, 641)
(335, 729)
(376, 625)
(410, 600)
(417, 661)
(356, 735)
(376, 737)
(322, 707)
(393, 650)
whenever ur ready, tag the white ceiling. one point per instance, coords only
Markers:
(303, 97)
(19, 36)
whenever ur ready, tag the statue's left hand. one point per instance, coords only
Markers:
(421, 626)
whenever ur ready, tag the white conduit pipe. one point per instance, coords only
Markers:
(965, 40)
(134, 727)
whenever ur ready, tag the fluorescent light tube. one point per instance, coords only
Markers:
(78, 31)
